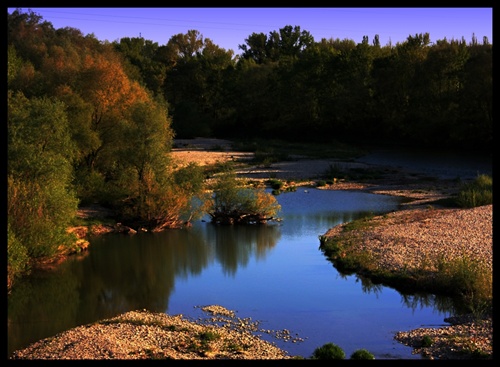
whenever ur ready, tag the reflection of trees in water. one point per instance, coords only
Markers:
(143, 275)
(443, 304)
(122, 273)
(119, 274)
(414, 301)
(235, 245)
(367, 285)
(36, 299)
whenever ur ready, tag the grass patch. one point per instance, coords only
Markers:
(202, 342)
(90, 222)
(476, 193)
(426, 341)
(217, 148)
(207, 336)
(359, 224)
(335, 172)
(470, 279)
(449, 202)
(233, 347)
(267, 158)
(321, 183)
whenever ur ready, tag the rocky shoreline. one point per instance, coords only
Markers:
(145, 335)
(467, 338)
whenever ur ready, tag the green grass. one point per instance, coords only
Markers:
(476, 193)
(426, 341)
(358, 224)
(207, 336)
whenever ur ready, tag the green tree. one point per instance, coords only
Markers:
(41, 202)
(255, 107)
(146, 190)
(408, 70)
(255, 48)
(104, 85)
(28, 33)
(476, 99)
(141, 159)
(325, 72)
(13, 64)
(292, 41)
(17, 258)
(195, 85)
(144, 65)
(288, 42)
(185, 84)
(436, 92)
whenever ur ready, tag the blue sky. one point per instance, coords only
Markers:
(229, 27)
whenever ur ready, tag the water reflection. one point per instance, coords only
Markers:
(411, 300)
(122, 273)
(235, 246)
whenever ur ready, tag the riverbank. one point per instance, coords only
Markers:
(414, 238)
(145, 335)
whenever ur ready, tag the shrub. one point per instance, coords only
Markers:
(476, 193)
(207, 336)
(233, 204)
(328, 351)
(470, 278)
(321, 183)
(275, 184)
(362, 354)
(190, 177)
(426, 341)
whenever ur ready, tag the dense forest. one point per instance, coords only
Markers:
(93, 121)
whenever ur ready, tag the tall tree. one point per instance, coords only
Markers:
(476, 98)
(145, 66)
(41, 202)
(195, 80)
(104, 85)
(255, 48)
(287, 42)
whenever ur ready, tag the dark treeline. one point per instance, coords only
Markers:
(92, 121)
(285, 85)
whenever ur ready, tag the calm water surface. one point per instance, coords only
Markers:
(274, 274)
